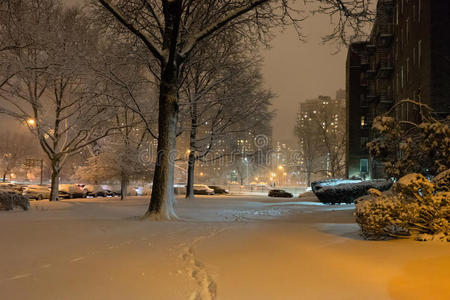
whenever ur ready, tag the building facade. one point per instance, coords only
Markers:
(407, 56)
(320, 132)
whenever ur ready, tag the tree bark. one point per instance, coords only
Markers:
(190, 175)
(54, 188)
(162, 199)
(123, 185)
(192, 147)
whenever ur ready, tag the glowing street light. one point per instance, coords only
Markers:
(280, 167)
(31, 122)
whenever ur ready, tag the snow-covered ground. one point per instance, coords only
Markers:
(225, 247)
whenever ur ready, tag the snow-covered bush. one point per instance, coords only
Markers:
(413, 207)
(407, 147)
(9, 201)
(317, 185)
(442, 181)
(348, 192)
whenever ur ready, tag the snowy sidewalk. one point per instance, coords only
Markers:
(243, 247)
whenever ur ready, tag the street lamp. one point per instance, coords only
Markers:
(31, 122)
(246, 163)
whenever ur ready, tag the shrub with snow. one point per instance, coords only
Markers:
(348, 192)
(317, 185)
(9, 201)
(406, 147)
(413, 207)
(442, 181)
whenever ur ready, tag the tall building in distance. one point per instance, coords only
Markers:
(320, 127)
(405, 57)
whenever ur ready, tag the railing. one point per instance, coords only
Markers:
(386, 97)
(364, 59)
(386, 2)
(385, 30)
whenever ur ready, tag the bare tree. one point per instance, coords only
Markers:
(321, 134)
(14, 149)
(50, 88)
(171, 30)
(330, 121)
(221, 87)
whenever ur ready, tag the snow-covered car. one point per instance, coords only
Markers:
(7, 187)
(203, 189)
(96, 190)
(219, 189)
(37, 192)
(280, 193)
(112, 190)
(70, 191)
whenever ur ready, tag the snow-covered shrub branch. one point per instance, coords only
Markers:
(412, 146)
(413, 207)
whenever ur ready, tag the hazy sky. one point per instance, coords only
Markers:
(298, 70)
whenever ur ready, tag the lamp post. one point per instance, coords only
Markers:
(246, 163)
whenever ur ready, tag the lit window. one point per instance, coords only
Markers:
(363, 121)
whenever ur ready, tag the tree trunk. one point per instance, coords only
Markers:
(54, 188)
(162, 199)
(308, 176)
(191, 159)
(190, 175)
(4, 177)
(123, 185)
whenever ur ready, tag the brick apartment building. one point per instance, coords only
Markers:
(407, 56)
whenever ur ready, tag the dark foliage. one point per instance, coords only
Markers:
(9, 201)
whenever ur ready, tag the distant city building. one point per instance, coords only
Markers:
(313, 117)
(406, 57)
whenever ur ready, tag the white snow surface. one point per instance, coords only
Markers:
(225, 247)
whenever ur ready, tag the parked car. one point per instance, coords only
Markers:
(95, 190)
(70, 191)
(218, 189)
(7, 187)
(203, 189)
(113, 190)
(280, 193)
(37, 192)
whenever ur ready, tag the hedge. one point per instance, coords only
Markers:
(349, 192)
(9, 201)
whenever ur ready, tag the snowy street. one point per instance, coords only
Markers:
(232, 247)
